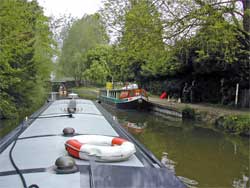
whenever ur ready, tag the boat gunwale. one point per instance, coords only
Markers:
(117, 101)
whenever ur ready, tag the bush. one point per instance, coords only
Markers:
(238, 124)
(188, 113)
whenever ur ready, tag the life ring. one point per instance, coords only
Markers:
(103, 148)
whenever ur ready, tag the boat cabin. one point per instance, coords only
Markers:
(123, 93)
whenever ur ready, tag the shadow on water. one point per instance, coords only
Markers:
(201, 157)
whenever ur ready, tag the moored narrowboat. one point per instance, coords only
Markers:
(130, 98)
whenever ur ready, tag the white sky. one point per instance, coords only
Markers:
(77, 8)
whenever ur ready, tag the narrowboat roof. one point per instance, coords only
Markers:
(39, 142)
(118, 90)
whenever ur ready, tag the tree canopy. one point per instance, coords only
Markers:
(150, 40)
(189, 39)
(85, 34)
(26, 47)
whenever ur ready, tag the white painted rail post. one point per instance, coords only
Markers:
(236, 94)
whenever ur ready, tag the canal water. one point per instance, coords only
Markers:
(201, 157)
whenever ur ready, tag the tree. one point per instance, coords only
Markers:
(142, 39)
(246, 15)
(205, 38)
(182, 18)
(140, 46)
(113, 14)
(84, 35)
(25, 58)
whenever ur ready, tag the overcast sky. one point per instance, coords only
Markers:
(77, 8)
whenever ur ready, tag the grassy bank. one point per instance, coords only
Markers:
(229, 122)
(236, 124)
(90, 93)
(221, 118)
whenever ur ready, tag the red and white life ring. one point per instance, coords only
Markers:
(103, 148)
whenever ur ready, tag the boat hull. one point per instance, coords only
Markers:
(138, 103)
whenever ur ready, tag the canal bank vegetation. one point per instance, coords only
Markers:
(161, 45)
(86, 92)
(237, 124)
(216, 117)
(26, 50)
(220, 119)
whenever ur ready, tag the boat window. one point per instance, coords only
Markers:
(137, 92)
(124, 94)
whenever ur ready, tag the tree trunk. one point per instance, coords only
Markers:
(246, 17)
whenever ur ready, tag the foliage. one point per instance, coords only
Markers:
(211, 43)
(85, 34)
(182, 18)
(154, 40)
(198, 35)
(113, 14)
(99, 66)
(238, 124)
(142, 40)
(25, 58)
(141, 50)
(86, 93)
(188, 113)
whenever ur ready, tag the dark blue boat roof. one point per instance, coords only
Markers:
(41, 143)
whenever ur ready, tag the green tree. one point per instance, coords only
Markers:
(141, 51)
(142, 39)
(25, 58)
(183, 17)
(101, 65)
(84, 35)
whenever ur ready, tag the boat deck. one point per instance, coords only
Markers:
(42, 142)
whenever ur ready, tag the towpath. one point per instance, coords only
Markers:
(204, 107)
(91, 93)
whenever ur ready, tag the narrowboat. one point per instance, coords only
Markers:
(126, 98)
(77, 143)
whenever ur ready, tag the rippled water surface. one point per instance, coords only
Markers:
(200, 157)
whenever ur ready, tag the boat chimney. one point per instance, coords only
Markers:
(71, 107)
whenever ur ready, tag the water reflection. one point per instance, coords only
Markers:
(188, 182)
(135, 128)
(241, 183)
(202, 157)
(170, 164)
